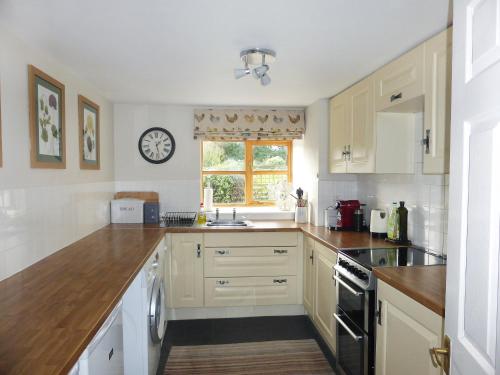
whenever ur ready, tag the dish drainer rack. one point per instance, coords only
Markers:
(177, 218)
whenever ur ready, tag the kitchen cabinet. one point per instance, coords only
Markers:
(400, 81)
(339, 133)
(309, 275)
(266, 273)
(352, 124)
(250, 291)
(324, 294)
(406, 331)
(186, 270)
(437, 103)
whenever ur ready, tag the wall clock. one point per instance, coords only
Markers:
(156, 145)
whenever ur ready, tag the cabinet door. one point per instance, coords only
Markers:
(339, 133)
(400, 80)
(309, 276)
(437, 103)
(405, 335)
(187, 270)
(361, 147)
(324, 294)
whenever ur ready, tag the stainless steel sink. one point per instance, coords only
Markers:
(227, 223)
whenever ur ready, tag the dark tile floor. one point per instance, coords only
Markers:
(237, 330)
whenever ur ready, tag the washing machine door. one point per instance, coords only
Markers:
(157, 318)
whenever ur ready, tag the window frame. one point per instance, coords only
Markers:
(248, 173)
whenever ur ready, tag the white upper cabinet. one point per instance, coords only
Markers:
(339, 133)
(372, 124)
(361, 147)
(352, 141)
(437, 103)
(400, 81)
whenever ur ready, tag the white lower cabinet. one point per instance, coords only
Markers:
(251, 291)
(309, 276)
(324, 294)
(186, 270)
(406, 333)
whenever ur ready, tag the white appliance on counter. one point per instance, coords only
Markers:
(127, 211)
(144, 316)
(104, 354)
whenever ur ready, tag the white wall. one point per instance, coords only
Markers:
(177, 180)
(43, 210)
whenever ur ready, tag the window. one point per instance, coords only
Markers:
(243, 173)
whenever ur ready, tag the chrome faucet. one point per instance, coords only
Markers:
(217, 214)
(234, 214)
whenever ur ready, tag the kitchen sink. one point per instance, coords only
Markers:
(227, 223)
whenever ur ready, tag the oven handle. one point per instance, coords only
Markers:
(345, 285)
(349, 331)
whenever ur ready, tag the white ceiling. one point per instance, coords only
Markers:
(184, 51)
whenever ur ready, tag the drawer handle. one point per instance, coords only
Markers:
(396, 96)
(222, 282)
(222, 252)
(279, 281)
(346, 327)
(345, 285)
(280, 251)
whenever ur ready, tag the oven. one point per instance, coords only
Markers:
(355, 318)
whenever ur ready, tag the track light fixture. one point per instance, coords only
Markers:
(256, 62)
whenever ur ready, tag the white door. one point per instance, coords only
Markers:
(472, 286)
(339, 133)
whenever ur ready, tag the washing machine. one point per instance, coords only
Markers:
(144, 317)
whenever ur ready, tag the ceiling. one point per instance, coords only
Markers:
(184, 51)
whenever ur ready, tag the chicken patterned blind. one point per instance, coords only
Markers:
(224, 124)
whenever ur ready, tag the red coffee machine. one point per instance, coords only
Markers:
(345, 213)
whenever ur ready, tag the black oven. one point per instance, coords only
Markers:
(354, 317)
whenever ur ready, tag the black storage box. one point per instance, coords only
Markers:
(151, 213)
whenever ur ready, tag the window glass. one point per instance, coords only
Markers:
(223, 156)
(270, 157)
(229, 188)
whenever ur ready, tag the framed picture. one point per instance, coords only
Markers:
(47, 132)
(88, 125)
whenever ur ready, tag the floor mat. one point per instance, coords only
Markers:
(291, 357)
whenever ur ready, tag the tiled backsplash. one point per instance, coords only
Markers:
(35, 222)
(426, 198)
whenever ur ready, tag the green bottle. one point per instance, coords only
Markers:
(392, 222)
(403, 222)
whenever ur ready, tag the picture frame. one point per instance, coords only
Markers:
(89, 133)
(47, 120)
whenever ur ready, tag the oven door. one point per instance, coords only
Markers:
(355, 348)
(357, 303)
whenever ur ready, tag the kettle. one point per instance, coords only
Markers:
(378, 223)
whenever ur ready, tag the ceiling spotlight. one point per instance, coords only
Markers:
(256, 63)
(241, 72)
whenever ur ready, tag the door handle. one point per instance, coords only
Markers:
(396, 96)
(427, 140)
(222, 252)
(440, 357)
(345, 285)
(279, 281)
(198, 251)
(312, 257)
(346, 327)
(280, 251)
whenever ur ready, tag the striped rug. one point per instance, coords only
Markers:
(294, 357)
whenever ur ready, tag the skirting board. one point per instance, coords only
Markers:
(233, 312)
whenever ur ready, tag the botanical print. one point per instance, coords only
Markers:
(49, 128)
(89, 135)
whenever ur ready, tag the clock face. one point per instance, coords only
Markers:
(156, 145)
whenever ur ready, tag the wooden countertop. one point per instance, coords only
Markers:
(50, 311)
(425, 284)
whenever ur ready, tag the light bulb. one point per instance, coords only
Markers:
(259, 71)
(265, 80)
(238, 73)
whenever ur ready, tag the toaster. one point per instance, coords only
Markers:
(127, 211)
(378, 223)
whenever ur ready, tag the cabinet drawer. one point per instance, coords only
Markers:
(400, 80)
(251, 291)
(250, 261)
(253, 238)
